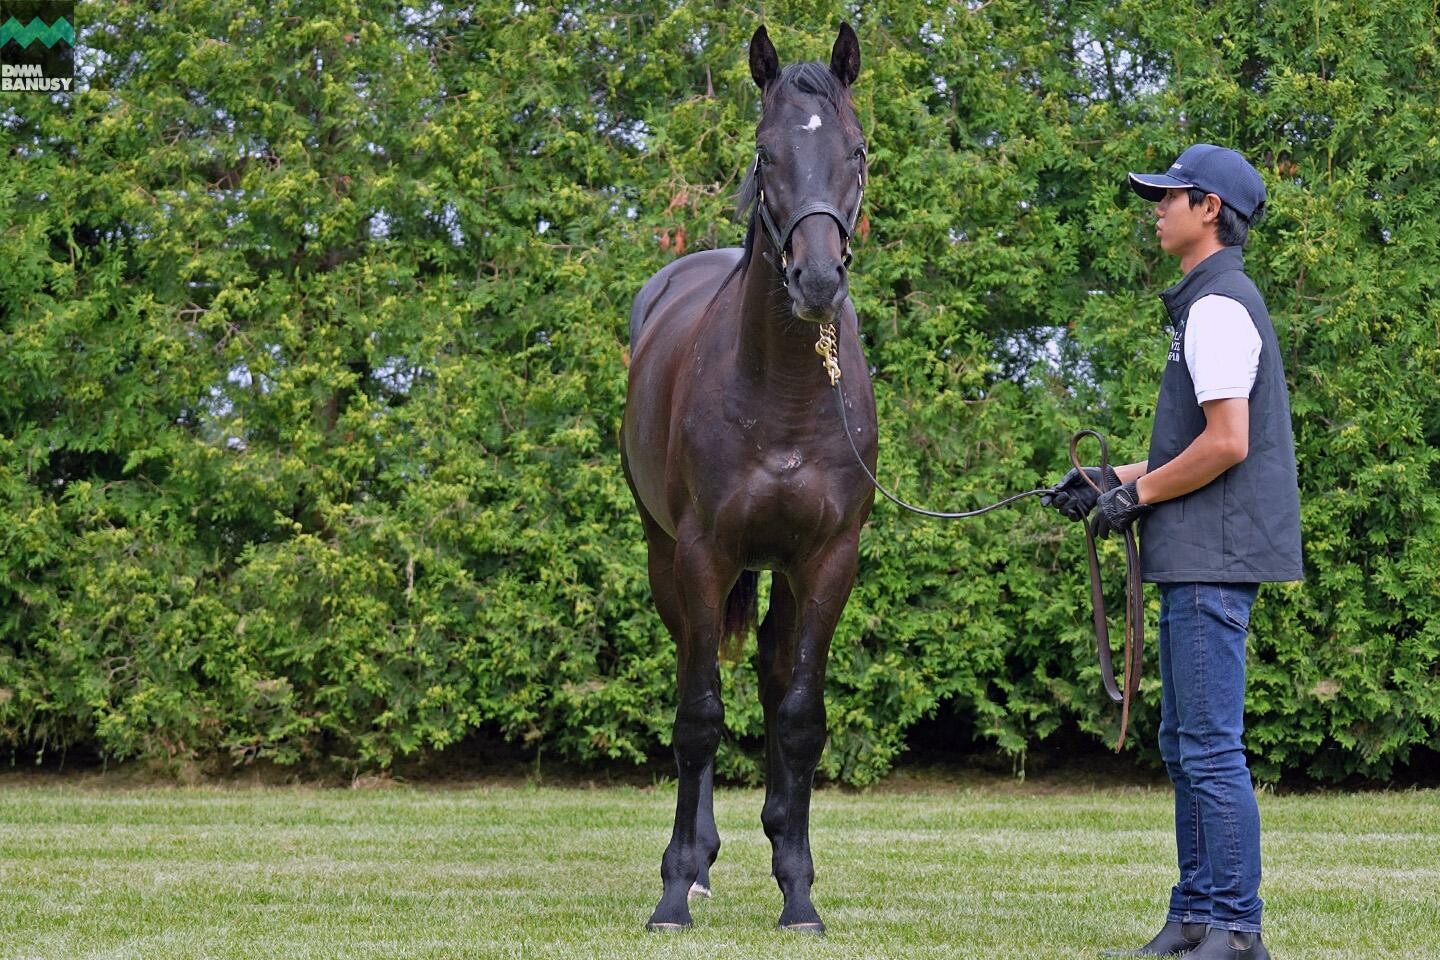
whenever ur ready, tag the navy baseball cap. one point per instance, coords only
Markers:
(1216, 170)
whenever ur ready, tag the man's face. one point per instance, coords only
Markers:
(1180, 226)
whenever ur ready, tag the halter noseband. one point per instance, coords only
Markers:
(780, 239)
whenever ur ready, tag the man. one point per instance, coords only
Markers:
(1221, 511)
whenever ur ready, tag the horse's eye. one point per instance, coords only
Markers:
(859, 153)
(762, 156)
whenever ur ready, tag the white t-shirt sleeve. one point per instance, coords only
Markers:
(1222, 348)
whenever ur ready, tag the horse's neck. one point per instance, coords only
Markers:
(773, 346)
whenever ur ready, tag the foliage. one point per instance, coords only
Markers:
(313, 346)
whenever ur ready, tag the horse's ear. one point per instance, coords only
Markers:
(764, 64)
(845, 58)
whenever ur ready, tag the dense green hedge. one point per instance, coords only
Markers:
(313, 358)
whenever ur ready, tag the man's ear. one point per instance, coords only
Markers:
(1213, 203)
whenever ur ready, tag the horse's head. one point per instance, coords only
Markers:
(809, 173)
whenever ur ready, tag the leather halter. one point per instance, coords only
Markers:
(779, 240)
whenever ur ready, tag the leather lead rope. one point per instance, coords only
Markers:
(1134, 645)
(939, 514)
(1122, 693)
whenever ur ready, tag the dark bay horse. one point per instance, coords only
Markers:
(735, 455)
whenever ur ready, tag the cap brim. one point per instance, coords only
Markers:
(1152, 186)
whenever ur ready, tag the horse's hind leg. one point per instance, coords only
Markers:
(695, 591)
(774, 661)
(707, 835)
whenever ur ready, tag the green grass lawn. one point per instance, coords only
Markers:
(1000, 870)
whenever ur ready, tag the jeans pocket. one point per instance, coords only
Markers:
(1236, 602)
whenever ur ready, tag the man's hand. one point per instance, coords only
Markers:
(1075, 498)
(1119, 508)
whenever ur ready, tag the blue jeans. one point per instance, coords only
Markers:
(1202, 718)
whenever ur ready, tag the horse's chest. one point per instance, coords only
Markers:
(788, 479)
(781, 502)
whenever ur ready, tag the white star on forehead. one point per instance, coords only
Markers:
(813, 125)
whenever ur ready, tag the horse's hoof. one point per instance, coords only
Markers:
(815, 929)
(658, 927)
(699, 890)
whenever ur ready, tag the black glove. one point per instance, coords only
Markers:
(1118, 509)
(1075, 498)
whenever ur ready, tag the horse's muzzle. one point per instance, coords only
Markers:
(817, 276)
(818, 288)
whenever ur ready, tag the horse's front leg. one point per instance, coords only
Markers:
(821, 587)
(667, 601)
(703, 579)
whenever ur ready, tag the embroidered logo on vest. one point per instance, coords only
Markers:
(1176, 337)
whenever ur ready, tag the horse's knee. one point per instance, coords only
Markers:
(698, 723)
(801, 724)
(705, 710)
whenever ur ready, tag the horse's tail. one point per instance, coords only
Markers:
(740, 615)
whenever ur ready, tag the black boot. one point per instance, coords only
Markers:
(1173, 940)
(1230, 945)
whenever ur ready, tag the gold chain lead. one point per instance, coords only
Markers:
(826, 346)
